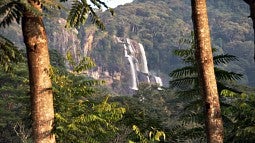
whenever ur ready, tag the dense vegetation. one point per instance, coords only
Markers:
(159, 25)
(88, 111)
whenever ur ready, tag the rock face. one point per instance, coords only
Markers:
(131, 55)
(64, 39)
(135, 54)
(135, 69)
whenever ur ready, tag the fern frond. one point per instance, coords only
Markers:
(195, 118)
(195, 105)
(85, 64)
(222, 75)
(224, 59)
(139, 134)
(10, 11)
(9, 54)
(222, 86)
(99, 3)
(183, 82)
(95, 19)
(183, 72)
(184, 53)
(81, 11)
(196, 134)
(188, 95)
(78, 13)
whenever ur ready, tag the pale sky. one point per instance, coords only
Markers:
(115, 3)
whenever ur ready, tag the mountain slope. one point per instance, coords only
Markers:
(159, 25)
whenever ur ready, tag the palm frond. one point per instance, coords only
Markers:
(224, 59)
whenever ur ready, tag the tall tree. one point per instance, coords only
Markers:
(35, 39)
(251, 3)
(214, 125)
(36, 43)
(186, 82)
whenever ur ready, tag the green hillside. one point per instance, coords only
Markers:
(159, 25)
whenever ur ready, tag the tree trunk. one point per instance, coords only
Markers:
(39, 68)
(251, 3)
(213, 122)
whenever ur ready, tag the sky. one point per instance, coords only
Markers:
(115, 3)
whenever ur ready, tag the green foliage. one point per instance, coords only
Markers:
(10, 10)
(56, 59)
(78, 118)
(81, 11)
(185, 81)
(85, 64)
(14, 105)
(148, 115)
(9, 54)
(13, 11)
(240, 114)
(154, 135)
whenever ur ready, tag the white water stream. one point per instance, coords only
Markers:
(135, 54)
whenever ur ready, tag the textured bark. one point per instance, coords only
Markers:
(251, 3)
(204, 57)
(40, 83)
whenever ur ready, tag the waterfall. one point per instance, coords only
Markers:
(125, 48)
(158, 82)
(130, 47)
(133, 73)
(135, 54)
(144, 66)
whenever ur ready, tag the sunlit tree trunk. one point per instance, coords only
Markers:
(39, 68)
(213, 123)
(251, 3)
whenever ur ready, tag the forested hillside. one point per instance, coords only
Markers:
(143, 42)
(159, 26)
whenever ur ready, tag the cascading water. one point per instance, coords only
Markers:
(130, 47)
(158, 82)
(136, 56)
(132, 70)
(144, 66)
